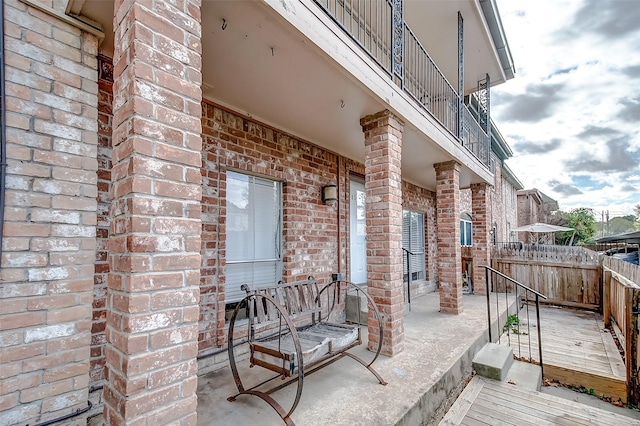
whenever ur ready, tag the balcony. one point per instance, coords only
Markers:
(383, 33)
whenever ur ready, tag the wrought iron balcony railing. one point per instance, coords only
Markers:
(380, 30)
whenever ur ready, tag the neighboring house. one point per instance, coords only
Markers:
(154, 167)
(534, 207)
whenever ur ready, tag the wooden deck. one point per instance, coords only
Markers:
(489, 402)
(577, 350)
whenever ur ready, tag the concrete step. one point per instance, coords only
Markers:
(493, 361)
(525, 375)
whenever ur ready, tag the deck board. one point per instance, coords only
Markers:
(499, 403)
(577, 349)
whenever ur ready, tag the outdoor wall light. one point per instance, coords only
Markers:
(330, 194)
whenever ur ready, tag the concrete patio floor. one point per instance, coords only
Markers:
(438, 349)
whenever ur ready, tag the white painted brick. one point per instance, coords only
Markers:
(21, 413)
(57, 102)
(75, 94)
(49, 332)
(73, 231)
(23, 260)
(48, 274)
(57, 129)
(59, 216)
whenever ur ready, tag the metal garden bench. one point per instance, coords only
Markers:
(293, 331)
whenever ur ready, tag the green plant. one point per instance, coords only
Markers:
(512, 324)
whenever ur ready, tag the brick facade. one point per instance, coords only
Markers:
(383, 185)
(50, 216)
(231, 142)
(481, 205)
(115, 233)
(448, 224)
(154, 241)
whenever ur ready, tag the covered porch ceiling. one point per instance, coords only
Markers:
(262, 67)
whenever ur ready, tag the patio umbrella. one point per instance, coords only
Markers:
(542, 228)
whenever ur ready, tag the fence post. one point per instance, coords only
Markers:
(632, 302)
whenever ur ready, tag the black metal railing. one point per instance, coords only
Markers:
(518, 324)
(408, 254)
(379, 29)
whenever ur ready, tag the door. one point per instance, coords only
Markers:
(358, 232)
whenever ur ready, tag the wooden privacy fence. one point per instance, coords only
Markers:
(621, 306)
(568, 276)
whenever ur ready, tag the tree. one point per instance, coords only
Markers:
(636, 212)
(621, 224)
(582, 220)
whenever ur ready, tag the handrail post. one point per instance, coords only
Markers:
(486, 272)
(408, 280)
(539, 334)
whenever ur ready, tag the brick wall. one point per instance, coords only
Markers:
(50, 216)
(105, 116)
(310, 243)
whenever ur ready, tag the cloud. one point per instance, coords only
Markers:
(630, 109)
(597, 132)
(628, 188)
(618, 159)
(536, 104)
(632, 71)
(617, 20)
(526, 147)
(566, 190)
(567, 70)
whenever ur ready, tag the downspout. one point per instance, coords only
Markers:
(3, 128)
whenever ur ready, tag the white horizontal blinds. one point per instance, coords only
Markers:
(413, 240)
(253, 233)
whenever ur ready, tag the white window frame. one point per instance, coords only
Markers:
(466, 230)
(254, 263)
(413, 240)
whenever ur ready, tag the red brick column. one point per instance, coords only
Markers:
(449, 255)
(481, 226)
(153, 289)
(383, 184)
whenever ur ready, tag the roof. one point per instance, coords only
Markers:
(629, 237)
(491, 14)
(511, 177)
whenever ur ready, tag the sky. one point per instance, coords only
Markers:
(572, 113)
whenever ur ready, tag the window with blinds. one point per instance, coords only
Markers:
(254, 233)
(413, 240)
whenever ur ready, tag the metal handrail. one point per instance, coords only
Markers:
(409, 253)
(489, 273)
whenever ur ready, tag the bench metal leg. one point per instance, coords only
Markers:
(285, 415)
(367, 366)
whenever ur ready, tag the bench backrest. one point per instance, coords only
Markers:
(297, 299)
